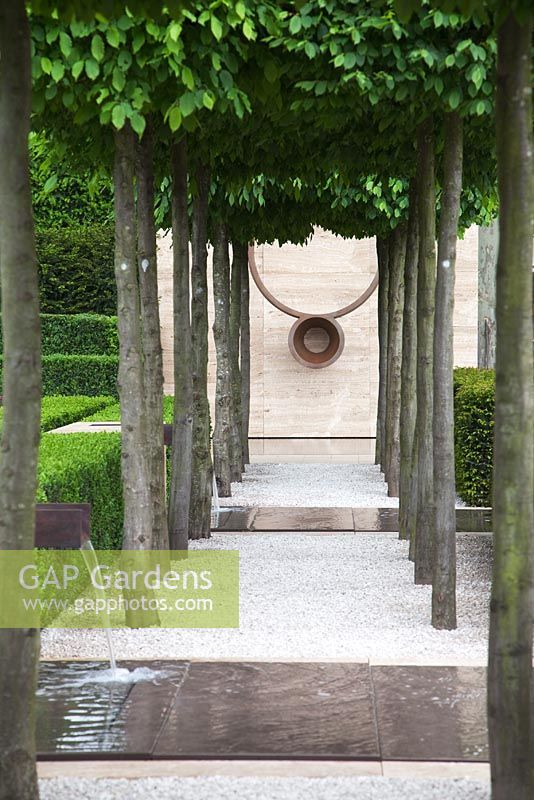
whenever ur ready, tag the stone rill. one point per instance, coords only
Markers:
(272, 710)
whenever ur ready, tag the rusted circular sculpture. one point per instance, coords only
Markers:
(334, 341)
(326, 325)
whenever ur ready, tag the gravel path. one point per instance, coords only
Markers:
(222, 788)
(305, 596)
(341, 485)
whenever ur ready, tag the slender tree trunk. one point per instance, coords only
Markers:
(19, 649)
(408, 466)
(182, 435)
(426, 284)
(397, 256)
(222, 434)
(383, 283)
(510, 684)
(245, 351)
(235, 371)
(151, 333)
(202, 476)
(136, 485)
(444, 574)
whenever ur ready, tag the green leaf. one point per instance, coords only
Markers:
(454, 98)
(295, 25)
(58, 71)
(138, 41)
(97, 47)
(46, 65)
(118, 117)
(248, 31)
(208, 100)
(187, 104)
(138, 123)
(175, 118)
(50, 184)
(65, 43)
(77, 69)
(92, 70)
(124, 60)
(310, 49)
(113, 37)
(349, 60)
(118, 80)
(216, 27)
(226, 79)
(188, 78)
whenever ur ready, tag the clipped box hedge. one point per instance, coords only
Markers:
(77, 334)
(92, 376)
(112, 412)
(85, 468)
(474, 410)
(59, 410)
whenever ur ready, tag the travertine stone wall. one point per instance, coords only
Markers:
(303, 414)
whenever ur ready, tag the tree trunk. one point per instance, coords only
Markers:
(151, 333)
(222, 434)
(510, 685)
(245, 352)
(135, 478)
(182, 435)
(235, 371)
(426, 284)
(397, 256)
(19, 649)
(444, 558)
(408, 453)
(383, 281)
(202, 470)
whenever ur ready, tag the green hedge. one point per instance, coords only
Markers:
(474, 408)
(79, 334)
(112, 412)
(76, 273)
(85, 468)
(59, 410)
(78, 375)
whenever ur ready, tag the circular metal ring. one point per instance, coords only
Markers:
(300, 349)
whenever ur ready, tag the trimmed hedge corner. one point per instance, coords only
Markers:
(85, 468)
(474, 409)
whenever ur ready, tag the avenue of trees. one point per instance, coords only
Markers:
(253, 121)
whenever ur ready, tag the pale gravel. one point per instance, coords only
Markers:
(305, 596)
(224, 788)
(309, 485)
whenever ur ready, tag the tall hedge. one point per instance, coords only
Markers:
(474, 410)
(73, 375)
(85, 468)
(78, 334)
(76, 269)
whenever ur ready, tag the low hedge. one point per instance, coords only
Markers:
(59, 410)
(112, 412)
(85, 468)
(474, 409)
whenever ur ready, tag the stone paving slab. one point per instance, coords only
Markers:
(271, 710)
(355, 520)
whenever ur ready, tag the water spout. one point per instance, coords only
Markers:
(91, 562)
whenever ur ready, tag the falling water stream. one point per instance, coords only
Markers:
(91, 562)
